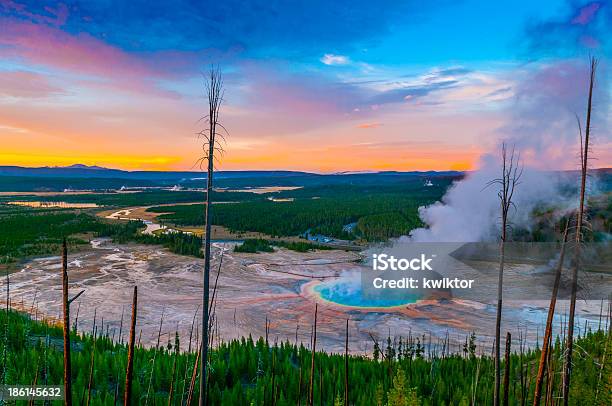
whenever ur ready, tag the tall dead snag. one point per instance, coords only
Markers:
(511, 174)
(127, 401)
(312, 359)
(544, 356)
(214, 93)
(507, 368)
(66, 308)
(161, 323)
(174, 374)
(194, 376)
(346, 362)
(91, 370)
(195, 314)
(584, 152)
(6, 330)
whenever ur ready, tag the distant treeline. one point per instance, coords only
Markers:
(58, 184)
(142, 198)
(547, 222)
(248, 372)
(379, 213)
(178, 243)
(254, 245)
(30, 232)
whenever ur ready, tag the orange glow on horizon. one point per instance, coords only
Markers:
(125, 162)
(282, 159)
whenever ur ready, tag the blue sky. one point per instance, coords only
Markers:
(356, 84)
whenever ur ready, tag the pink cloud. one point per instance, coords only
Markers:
(586, 14)
(25, 84)
(80, 53)
(88, 57)
(271, 89)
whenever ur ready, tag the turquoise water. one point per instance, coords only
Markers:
(348, 293)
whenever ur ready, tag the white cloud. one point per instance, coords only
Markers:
(331, 59)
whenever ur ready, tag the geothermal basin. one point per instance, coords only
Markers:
(281, 287)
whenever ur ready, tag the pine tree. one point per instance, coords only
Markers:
(399, 395)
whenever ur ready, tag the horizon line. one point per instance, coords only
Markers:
(338, 172)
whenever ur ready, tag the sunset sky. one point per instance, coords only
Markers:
(317, 85)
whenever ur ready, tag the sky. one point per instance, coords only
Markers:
(320, 86)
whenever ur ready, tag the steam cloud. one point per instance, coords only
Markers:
(542, 127)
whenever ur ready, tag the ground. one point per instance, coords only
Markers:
(251, 288)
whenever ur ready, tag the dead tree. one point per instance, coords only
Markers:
(130, 361)
(91, 370)
(549, 321)
(6, 329)
(584, 152)
(211, 135)
(507, 368)
(346, 364)
(174, 375)
(121, 326)
(312, 360)
(161, 323)
(194, 376)
(195, 314)
(66, 309)
(511, 174)
(31, 401)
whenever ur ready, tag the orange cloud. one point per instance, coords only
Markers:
(369, 125)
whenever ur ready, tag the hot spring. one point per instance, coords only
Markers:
(347, 291)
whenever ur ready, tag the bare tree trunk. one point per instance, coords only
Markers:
(6, 329)
(549, 321)
(214, 88)
(194, 376)
(161, 323)
(346, 365)
(551, 375)
(130, 361)
(187, 358)
(511, 174)
(174, 374)
(66, 308)
(507, 368)
(91, 371)
(578, 240)
(603, 364)
(31, 401)
(500, 284)
(312, 360)
(121, 326)
(76, 320)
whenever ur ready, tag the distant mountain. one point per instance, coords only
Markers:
(84, 171)
(79, 176)
(83, 177)
(80, 171)
(81, 166)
